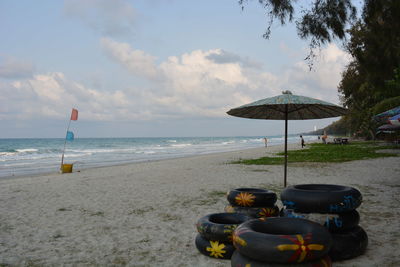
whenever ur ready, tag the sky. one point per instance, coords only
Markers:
(151, 68)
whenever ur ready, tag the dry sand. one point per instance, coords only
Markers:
(144, 214)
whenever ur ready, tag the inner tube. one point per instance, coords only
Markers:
(258, 212)
(239, 260)
(334, 222)
(220, 226)
(349, 244)
(321, 198)
(214, 248)
(282, 240)
(251, 197)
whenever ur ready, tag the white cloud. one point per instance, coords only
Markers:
(193, 85)
(50, 95)
(322, 81)
(136, 61)
(110, 18)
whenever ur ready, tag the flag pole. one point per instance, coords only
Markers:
(65, 143)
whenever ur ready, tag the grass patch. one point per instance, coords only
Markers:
(326, 153)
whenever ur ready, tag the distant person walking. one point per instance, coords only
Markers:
(302, 141)
(266, 141)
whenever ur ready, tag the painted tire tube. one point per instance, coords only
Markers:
(260, 212)
(321, 198)
(220, 226)
(239, 260)
(282, 240)
(251, 197)
(334, 222)
(214, 249)
(349, 244)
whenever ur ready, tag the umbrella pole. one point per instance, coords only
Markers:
(286, 133)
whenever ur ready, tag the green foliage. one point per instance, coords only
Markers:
(325, 153)
(340, 127)
(373, 76)
(386, 105)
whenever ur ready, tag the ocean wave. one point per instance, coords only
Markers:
(8, 153)
(228, 142)
(181, 145)
(67, 155)
(26, 150)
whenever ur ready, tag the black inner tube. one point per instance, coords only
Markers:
(274, 229)
(227, 219)
(252, 190)
(320, 187)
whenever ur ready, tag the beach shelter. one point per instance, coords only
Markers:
(395, 120)
(382, 117)
(288, 107)
(388, 128)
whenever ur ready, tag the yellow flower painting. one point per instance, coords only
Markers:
(245, 199)
(216, 250)
(267, 212)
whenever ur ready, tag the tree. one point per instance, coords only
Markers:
(372, 76)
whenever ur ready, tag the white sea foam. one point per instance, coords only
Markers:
(7, 153)
(181, 145)
(25, 150)
(228, 142)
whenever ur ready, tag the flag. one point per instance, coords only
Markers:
(70, 136)
(74, 114)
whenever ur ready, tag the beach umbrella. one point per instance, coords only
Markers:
(395, 120)
(387, 114)
(288, 107)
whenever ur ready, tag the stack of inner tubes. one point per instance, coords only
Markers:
(334, 207)
(281, 242)
(214, 238)
(254, 202)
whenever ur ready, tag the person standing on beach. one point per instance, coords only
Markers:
(266, 141)
(302, 141)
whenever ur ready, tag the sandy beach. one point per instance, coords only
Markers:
(144, 214)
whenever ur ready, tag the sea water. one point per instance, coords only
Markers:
(20, 157)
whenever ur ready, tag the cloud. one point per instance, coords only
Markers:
(11, 68)
(322, 81)
(51, 95)
(223, 57)
(207, 83)
(135, 61)
(109, 18)
(199, 83)
(196, 84)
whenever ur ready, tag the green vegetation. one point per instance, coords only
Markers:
(326, 153)
(370, 83)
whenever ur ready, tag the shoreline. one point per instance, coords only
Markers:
(144, 214)
(24, 158)
(270, 147)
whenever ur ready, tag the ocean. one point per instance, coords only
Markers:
(19, 157)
